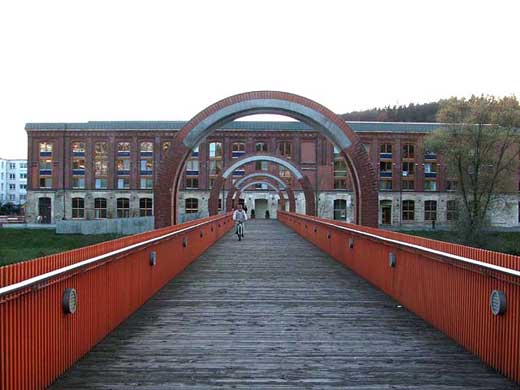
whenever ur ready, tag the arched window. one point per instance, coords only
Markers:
(340, 209)
(408, 210)
(191, 205)
(78, 208)
(430, 210)
(100, 208)
(145, 207)
(123, 208)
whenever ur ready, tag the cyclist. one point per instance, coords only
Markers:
(239, 216)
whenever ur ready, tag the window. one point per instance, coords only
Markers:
(12, 176)
(46, 164)
(78, 148)
(78, 164)
(386, 149)
(430, 185)
(215, 161)
(451, 185)
(408, 210)
(123, 208)
(147, 167)
(261, 165)
(261, 147)
(430, 210)
(191, 205)
(78, 182)
(238, 149)
(145, 207)
(408, 151)
(385, 185)
(45, 149)
(101, 183)
(23, 175)
(192, 167)
(408, 168)
(192, 182)
(23, 186)
(385, 169)
(123, 183)
(146, 183)
(407, 185)
(340, 209)
(23, 165)
(100, 208)
(45, 182)
(340, 171)
(285, 149)
(12, 187)
(101, 165)
(146, 148)
(123, 166)
(430, 168)
(12, 165)
(123, 148)
(285, 174)
(451, 210)
(166, 146)
(78, 208)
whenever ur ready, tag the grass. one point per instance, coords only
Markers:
(23, 244)
(506, 242)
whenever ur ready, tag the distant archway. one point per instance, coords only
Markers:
(239, 186)
(308, 191)
(278, 190)
(267, 102)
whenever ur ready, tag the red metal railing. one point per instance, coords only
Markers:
(446, 284)
(39, 341)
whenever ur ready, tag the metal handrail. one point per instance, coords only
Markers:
(60, 271)
(462, 259)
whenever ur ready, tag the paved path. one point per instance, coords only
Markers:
(271, 312)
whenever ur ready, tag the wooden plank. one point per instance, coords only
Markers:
(274, 311)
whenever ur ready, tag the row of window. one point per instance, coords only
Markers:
(122, 208)
(430, 210)
(407, 185)
(12, 176)
(12, 166)
(408, 152)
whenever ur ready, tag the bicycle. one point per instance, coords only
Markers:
(240, 230)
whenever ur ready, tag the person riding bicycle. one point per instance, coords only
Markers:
(239, 216)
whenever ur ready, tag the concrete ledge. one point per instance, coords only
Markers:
(103, 226)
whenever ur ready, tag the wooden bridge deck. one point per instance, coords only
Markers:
(273, 311)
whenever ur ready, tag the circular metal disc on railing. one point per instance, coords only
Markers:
(498, 302)
(70, 301)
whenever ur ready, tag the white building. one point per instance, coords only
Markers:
(13, 181)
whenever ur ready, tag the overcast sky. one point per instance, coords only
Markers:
(73, 61)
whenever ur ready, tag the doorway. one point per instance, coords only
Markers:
(44, 209)
(260, 208)
(386, 212)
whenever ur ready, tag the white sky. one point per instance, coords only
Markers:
(73, 61)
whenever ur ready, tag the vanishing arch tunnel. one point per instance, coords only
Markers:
(267, 102)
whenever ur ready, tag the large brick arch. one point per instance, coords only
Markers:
(267, 102)
(244, 182)
(308, 191)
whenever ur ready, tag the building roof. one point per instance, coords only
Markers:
(384, 127)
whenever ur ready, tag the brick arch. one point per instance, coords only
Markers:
(267, 102)
(238, 188)
(308, 191)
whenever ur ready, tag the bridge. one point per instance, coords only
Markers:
(302, 302)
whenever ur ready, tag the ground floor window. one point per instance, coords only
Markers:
(100, 208)
(451, 210)
(408, 210)
(145, 207)
(191, 205)
(78, 208)
(123, 208)
(430, 210)
(340, 209)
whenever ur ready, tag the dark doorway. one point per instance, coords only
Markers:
(44, 210)
(386, 212)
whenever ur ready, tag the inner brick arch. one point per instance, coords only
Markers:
(267, 102)
(240, 185)
(304, 181)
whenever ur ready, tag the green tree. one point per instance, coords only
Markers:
(479, 140)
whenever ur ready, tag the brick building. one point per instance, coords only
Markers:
(107, 170)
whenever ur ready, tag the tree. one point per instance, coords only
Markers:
(479, 140)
